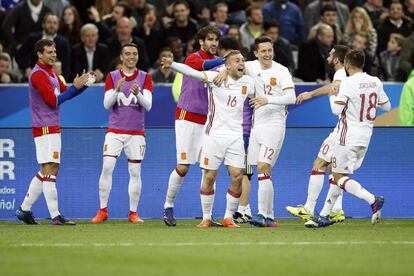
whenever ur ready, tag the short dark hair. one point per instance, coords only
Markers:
(205, 31)
(129, 45)
(328, 8)
(218, 5)
(251, 8)
(126, 7)
(178, 2)
(41, 44)
(340, 52)
(395, 2)
(356, 58)
(270, 24)
(229, 43)
(262, 39)
(47, 16)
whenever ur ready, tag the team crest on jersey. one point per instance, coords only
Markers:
(183, 156)
(55, 155)
(126, 101)
(273, 81)
(206, 161)
(244, 90)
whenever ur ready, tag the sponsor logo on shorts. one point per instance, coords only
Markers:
(183, 156)
(55, 155)
(273, 81)
(206, 161)
(244, 90)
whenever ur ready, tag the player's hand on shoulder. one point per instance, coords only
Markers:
(221, 78)
(303, 97)
(80, 81)
(258, 102)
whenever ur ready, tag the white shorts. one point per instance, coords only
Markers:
(134, 145)
(48, 148)
(325, 152)
(188, 138)
(347, 159)
(265, 144)
(227, 148)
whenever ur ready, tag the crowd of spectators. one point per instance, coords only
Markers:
(89, 33)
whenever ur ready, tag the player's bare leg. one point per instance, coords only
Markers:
(243, 213)
(337, 214)
(233, 196)
(207, 197)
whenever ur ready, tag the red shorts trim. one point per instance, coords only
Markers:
(181, 114)
(40, 131)
(130, 132)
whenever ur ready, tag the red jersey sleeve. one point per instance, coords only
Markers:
(62, 86)
(148, 83)
(109, 84)
(195, 62)
(41, 82)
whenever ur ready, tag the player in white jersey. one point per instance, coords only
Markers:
(274, 90)
(357, 101)
(322, 162)
(223, 139)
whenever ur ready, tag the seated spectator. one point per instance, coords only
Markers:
(24, 19)
(219, 12)
(138, 10)
(203, 15)
(395, 22)
(5, 75)
(360, 42)
(56, 6)
(328, 16)
(359, 21)
(163, 75)
(227, 43)
(89, 55)
(312, 64)
(313, 11)
(375, 10)
(70, 25)
(176, 46)
(389, 59)
(123, 34)
(409, 9)
(234, 31)
(290, 20)
(406, 63)
(26, 57)
(253, 28)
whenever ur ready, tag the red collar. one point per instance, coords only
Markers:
(47, 68)
(132, 77)
(204, 55)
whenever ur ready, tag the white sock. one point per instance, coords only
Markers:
(135, 184)
(105, 180)
(232, 201)
(333, 193)
(244, 210)
(207, 201)
(270, 199)
(314, 189)
(33, 193)
(354, 188)
(174, 185)
(338, 203)
(265, 188)
(51, 196)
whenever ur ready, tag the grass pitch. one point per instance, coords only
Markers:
(120, 248)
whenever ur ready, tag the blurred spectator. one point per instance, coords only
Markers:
(395, 22)
(182, 26)
(89, 55)
(56, 6)
(328, 16)
(290, 20)
(151, 34)
(2, 16)
(105, 7)
(227, 43)
(70, 25)
(359, 21)
(5, 75)
(406, 108)
(253, 28)
(123, 34)
(26, 57)
(409, 9)
(176, 46)
(203, 16)
(406, 58)
(138, 10)
(8, 5)
(234, 31)
(313, 11)
(312, 65)
(237, 14)
(388, 59)
(220, 12)
(375, 10)
(163, 75)
(360, 42)
(24, 19)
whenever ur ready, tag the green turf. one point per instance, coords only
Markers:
(118, 248)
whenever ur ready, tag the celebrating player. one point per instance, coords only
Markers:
(128, 94)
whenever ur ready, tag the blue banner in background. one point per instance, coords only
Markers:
(87, 109)
(387, 170)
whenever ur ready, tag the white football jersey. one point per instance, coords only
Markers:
(270, 83)
(339, 75)
(362, 93)
(225, 105)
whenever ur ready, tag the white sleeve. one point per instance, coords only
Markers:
(110, 98)
(383, 100)
(288, 98)
(286, 80)
(145, 99)
(187, 70)
(336, 108)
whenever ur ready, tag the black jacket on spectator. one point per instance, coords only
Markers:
(386, 28)
(79, 61)
(26, 56)
(311, 61)
(23, 24)
(115, 49)
(152, 42)
(185, 34)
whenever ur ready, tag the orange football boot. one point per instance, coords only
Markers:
(101, 216)
(206, 223)
(228, 222)
(133, 217)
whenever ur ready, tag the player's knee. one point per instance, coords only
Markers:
(134, 171)
(237, 178)
(263, 168)
(182, 169)
(209, 179)
(108, 165)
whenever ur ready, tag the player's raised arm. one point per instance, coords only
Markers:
(167, 62)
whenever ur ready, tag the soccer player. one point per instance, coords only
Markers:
(274, 91)
(223, 139)
(46, 94)
(323, 160)
(358, 98)
(191, 115)
(128, 94)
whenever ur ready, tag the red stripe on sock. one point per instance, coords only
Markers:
(233, 194)
(114, 156)
(207, 193)
(134, 161)
(260, 178)
(39, 177)
(317, 172)
(343, 184)
(179, 173)
(47, 178)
